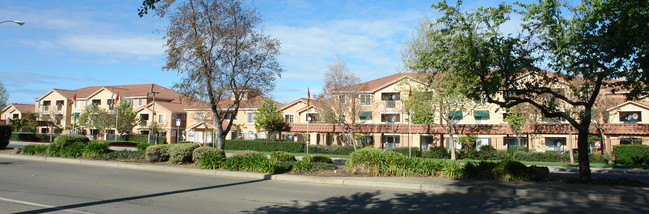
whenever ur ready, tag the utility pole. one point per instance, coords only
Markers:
(153, 114)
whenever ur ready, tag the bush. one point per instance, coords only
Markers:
(246, 153)
(377, 162)
(437, 153)
(212, 160)
(201, 152)
(405, 150)
(317, 159)
(486, 152)
(256, 162)
(517, 149)
(264, 145)
(181, 153)
(5, 135)
(282, 156)
(503, 170)
(29, 136)
(53, 150)
(96, 149)
(301, 167)
(142, 146)
(122, 155)
(332, 150)
(69, 139)
(73, 150)
(633, 154)
(35, 149)
(157, 153)
(143, 138)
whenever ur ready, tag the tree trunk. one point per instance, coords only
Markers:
(451, 142)
(582, 147)
(220, 137)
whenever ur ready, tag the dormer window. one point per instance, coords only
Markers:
(631, 117)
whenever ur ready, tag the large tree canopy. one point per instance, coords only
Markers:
(220, 52)
(599, 43)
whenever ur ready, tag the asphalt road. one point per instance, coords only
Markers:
(42, 187)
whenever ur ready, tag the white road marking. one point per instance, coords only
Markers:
(42, 205)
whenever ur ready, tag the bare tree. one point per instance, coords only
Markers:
(343, 90)
(221, 53)
(4, 96)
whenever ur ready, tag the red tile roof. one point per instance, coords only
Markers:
(379, 83)
(24, 108)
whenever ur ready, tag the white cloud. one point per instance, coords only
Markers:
(141, 47)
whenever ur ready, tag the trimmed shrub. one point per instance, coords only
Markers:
(73, 150)
(479, 170)
(143, 138)
(282, 156)
(512, 171)
(405, 150)
(157, 153)
(517, 149)
(35, 149)
(332, 150)
(69, 139)
(317, 159)
(246, 153)
(200, 152)
(96, 149)
(5, 135)
(377, 162)
(264, 145)
(301, 167)
(212, 160)
(503, 170)
(256, 162)
(181, 153)
(122, 143)
(122, 155)
(142, 146)
(486, 152)
(29, 136)
(437, 153)
(633, 154)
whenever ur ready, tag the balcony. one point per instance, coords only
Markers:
(46, 108)
(390, 103)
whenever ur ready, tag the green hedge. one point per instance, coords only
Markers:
(69, 139)
(28, 136)
(142, 138)
(437, 153)
(181, 153)
(317, 159)
(634, 154)
(35, 149)
(281, 156)
(414, 151)
(157, 153)
(199, 153)
(503, 170)
(212, 160)
(256, 163)
(5, 135)
(332, 150)
(378, 162)
(96, 149)
(265, 145)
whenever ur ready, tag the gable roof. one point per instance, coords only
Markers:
(639, 104)
(377, 84)
(22, 108)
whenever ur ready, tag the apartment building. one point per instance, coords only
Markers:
(16, 111)
(158, 108)
(382, 117)
(201, 121)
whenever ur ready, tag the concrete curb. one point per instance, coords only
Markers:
(560, 169)
(503, 191)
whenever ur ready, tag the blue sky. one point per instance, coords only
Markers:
(70, 44)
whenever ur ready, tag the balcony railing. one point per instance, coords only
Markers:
(46, 108)
(390, 103)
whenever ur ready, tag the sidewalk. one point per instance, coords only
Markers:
(575, 192)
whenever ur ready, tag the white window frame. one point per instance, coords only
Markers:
(250, 117)
(139, 102)
(367, 101)
(291, 119)
(164, 118)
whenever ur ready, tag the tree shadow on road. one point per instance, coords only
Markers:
(422, 202)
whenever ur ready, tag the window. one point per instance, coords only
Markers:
(427, 142)
(455, 117)
(391, 141)
(139, 102)
(183, 117)
(15, 116)
(130, 102)
(390, 99)
(250, 117)
(365, 99)
(96, 102)
(162, 119)
(173, 116)
(200, 116)
(311, 117)
(481, 117)
(173, 133)
(631, 140)
(631, 117)
(456, 140)
(109, 102)
(390, 118)
(513, 141)
(341, 99)
(144, 118)
(365, 117)
(289, 118)
(230, 116)
(482, 141)
(76, 104)
(46, 105)
(555, 143)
